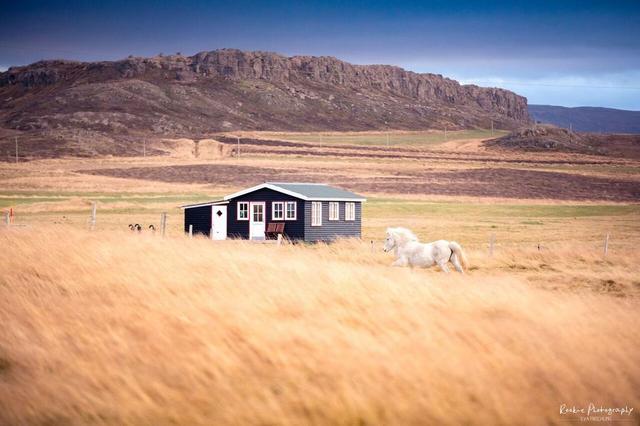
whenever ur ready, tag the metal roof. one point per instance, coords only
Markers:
(205, 203)
(304, 191)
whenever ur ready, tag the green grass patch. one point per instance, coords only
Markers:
(15, 201)
(425, 138)
(488, 214)
(407, 208)
(146, 201)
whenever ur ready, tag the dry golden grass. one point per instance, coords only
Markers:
(122, 329)
(111, 327)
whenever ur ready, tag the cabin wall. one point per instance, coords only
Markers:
(200, 218)
(293, 229)
(330, 229)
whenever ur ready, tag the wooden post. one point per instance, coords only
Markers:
(190, 231)
(492, 241)
(279, 242)
(606, 244)
(163, 224)
(93, 216)
(570, 131)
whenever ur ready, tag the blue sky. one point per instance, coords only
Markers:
(561, 52)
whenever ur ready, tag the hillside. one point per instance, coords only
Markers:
(81, 108)
(588, 119)
(555, 139)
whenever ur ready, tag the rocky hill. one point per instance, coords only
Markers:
(588, 119)
(548, 138)
(87, 108)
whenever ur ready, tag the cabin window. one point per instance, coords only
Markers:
(277, 210)
(243, 210)
(258, 212)
(316, 214)
(290, 213)
(334, 211)
(350, 211)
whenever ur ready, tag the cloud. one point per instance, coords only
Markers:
(613, 90)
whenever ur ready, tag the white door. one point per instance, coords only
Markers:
(219, 222)
(256, 221)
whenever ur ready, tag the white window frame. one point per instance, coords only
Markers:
(316, 213)
(246, 203)
(273, 210)
(350, 211)
(295, 210)
(263, 213)
(334, 210)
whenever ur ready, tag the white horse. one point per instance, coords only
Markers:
(409, 251)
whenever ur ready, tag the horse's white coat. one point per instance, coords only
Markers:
(410, 252)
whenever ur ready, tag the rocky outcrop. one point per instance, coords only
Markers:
(195, 96)
(238, 65)
(328, 70)
(548, 138)
(38, 74)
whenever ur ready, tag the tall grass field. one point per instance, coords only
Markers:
(117, 328)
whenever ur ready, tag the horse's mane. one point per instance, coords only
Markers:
(402, 235)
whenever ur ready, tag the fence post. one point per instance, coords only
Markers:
(492, 241)
(606, 244)
(190, 231)
(93, 216)
(163, 224)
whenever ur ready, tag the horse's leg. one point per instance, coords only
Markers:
(456, 263)
(401, 261)
(443, 265)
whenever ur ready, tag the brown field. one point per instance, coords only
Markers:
(110, 327)
(476, 182)
(122, 329)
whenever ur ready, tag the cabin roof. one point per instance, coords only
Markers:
(304, 191)
(205, 203)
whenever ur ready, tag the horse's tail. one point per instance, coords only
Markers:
(457, 250)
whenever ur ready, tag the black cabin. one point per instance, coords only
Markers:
(300, 211)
